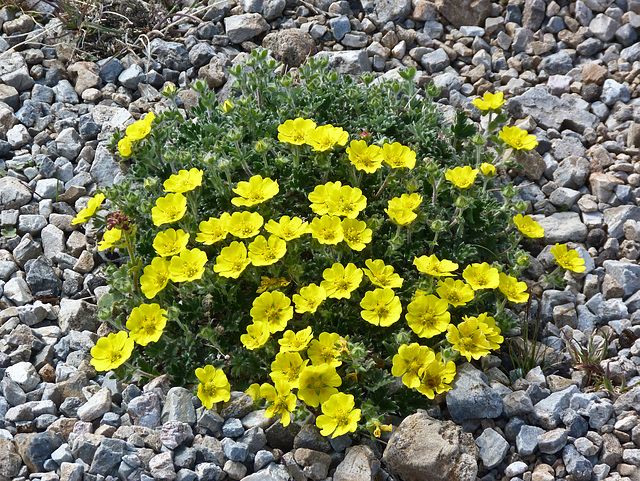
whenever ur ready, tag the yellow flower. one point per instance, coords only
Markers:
(214, 229)
(319, 198)
(89, 211)
(327, 229)
(468, 339)
(124, 147)
(434, 267)
(287, 228)
(171, 242)
(257, 335)
(346, 201)
(309, 299)
(405, 201)
(487, 325)
(338, 416)
(488, 170)
(436, 377)
(146, 323)
(382, 275)
(461, 177)
(568, 259)
(489, 101)
(528, 227)
(188, 266)
(287, 367)
(367, 158)
(340, 281)
(245, 224)
(254, 192)
(377, 432)
(110, 238)
(481, 276)
(227, 106)
(295, 341)
(325, 349)
(409, 361)
(232, 260)
(427, 316)
(183, 181)
(112, 351)
(517, 138)
(283, 401)
(169, 208)
(155, 277)
(317, 384)
(213, 387)
(512, 289)
(456, 293)
(294, 131)
(140, 128)
(326, 137)
(254, 391)
(265, 253)
(401, 216)
(356, 234)
(381, 307)
(398, 156)
(274, 308)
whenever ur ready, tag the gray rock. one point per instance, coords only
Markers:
(132, 76)
(547, 412)
(550, 111)
(17, 291)
(309, 437)
(576, 464)
(425, 449)
(178, 406)
(232, 428)
(234, 450)
(49, 188)
(145, 410)
(553, 441)
(96, 406)
(209, 472)
(527, 439)
(352, 62)
(599, 413)
(272, 9)
(632, 53)
(104, 168)
(557, 63)
(209, 449)
(31, 223)
(77, 315)
(108, 456)
(471, 396)
(235, 470)
(110, 70)
(493, 448)
(18, 136)
(10, 460)
(245, 27)
(517, 403)
(563, 227)
(339, 26)
(627, 274)
(175, 433)
(69, 143)
(36, 448)
(464, 12)
(615, 218)
(572, 172)
(52, 241)
(435, 61)
(210, 422)
(604, 27)
(42, 279)
(255, 439)
(200, 54)
(13, 193)
(360, 464)
(65, 93)
(172, 55)
(613, 92)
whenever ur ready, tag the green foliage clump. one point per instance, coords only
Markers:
(462, 217)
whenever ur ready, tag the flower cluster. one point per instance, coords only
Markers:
(135, 132)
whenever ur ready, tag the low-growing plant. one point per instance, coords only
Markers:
(317, 240)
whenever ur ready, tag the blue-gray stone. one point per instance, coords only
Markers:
(232, 428)
(234, 450)
(547, 412)
(493, 448)
(110, 69)
(557, 63)
(576, 464)
(527, 439)
(471, 396)
(108, 456)
(339, 26)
